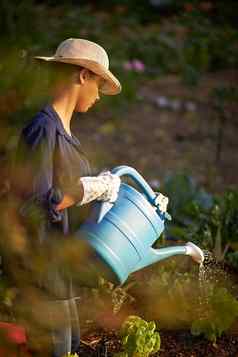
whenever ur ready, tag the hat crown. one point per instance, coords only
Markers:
(77, 48)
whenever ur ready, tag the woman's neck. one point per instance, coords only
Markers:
(64, 105)
(64, 114)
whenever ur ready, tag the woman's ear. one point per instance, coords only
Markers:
(81, 76)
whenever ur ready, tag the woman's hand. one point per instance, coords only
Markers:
(161, 201)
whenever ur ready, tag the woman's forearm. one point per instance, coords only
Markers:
(71, 197)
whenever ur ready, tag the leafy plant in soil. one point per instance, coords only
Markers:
(139, 338)
(221, 312)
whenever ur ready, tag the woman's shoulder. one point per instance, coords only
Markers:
(40, 124)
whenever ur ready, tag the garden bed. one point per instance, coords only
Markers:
(173, 344)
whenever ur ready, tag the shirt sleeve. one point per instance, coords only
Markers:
(35, 160)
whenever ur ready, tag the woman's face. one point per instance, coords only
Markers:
(88, 93)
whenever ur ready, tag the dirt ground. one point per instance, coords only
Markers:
(158, 140)
(173, 344)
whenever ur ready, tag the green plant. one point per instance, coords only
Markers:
(223, 310)
(217, 229)
(139, 338)
(187, 199)
(210, 221)
(185, 193)
(71, 355)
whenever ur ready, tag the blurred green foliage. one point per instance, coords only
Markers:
(217, 228)
(177, 297)
(232, 258)
(223, 312)
(186, 198)
(209, 220)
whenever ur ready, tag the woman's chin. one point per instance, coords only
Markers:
(83, 109)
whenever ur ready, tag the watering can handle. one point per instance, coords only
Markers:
(137, 178)
(140, 181)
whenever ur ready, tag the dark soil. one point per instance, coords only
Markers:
(173, 344)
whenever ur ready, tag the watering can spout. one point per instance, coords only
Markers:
(195, 252)
(155, 255)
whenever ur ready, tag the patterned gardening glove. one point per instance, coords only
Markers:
(113, 182)
(104, 187)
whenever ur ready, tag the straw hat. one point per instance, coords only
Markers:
(87, 54)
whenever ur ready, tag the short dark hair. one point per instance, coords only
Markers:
(63, 71)
(56, 72)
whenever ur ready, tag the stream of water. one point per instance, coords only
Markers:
(205, 275)
(205, 266)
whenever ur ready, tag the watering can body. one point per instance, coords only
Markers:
(122, 233)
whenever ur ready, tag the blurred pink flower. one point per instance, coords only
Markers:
(135, 65)
(138, 66)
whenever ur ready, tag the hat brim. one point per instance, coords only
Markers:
(111, 85)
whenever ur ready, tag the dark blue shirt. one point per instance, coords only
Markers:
(49, 164)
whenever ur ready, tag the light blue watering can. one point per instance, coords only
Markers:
(122, 233)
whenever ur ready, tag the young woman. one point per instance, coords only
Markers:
(53, 172)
